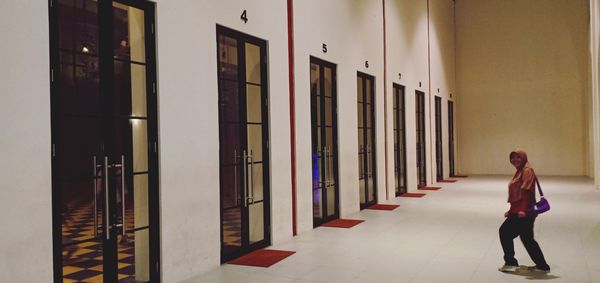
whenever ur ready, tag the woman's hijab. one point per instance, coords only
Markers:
(515, 186)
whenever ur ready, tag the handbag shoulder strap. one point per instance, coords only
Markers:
(538, 186)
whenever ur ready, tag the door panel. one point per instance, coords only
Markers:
(438, 139)
(243, 135)
(399, 140)
(104, 175)
(451, 137)
(366, 139)
(420, 119)
(324, 141)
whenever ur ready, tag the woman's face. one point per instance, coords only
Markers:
(516, 160)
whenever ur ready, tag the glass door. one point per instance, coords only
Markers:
(420, 118)
(439, 161)
(243, 139)
(324, 141)
(399, 141)
(366, 140)
(451, 137)
(104, 132)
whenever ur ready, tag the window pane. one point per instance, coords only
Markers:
(255, 143)
(128, 33)
(253, 103)
(252, 63)
(139, 130)
(138, 90)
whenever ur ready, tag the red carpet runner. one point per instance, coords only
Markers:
(343, 223)
(429, 188)
(262, 258)
(412, 195)
(383, 206)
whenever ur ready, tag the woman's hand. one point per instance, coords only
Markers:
(506, 214)
(521, 214)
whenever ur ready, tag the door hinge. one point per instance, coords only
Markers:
(53, 150)
(51, 75)
(50, 3)
(155, 147)
(157, 266)
(152, 28)
(154, 87)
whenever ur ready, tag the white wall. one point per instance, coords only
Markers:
(442, 66)
(420, 46)
(189, 133)
(594, 100)
(25, 169)
(353, 32)
(522, 70)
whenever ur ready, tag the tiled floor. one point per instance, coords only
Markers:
(449, 236)
(232, 225)
(82, 262)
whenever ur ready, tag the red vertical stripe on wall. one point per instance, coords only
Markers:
(290, 18)
(431, 157)
(385, 120)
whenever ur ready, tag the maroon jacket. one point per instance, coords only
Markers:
(521, 189)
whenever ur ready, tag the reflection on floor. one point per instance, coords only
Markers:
(82, 262)
(451, 235)
(232, 226)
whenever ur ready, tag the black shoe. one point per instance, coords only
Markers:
(508, 268)
(539, 269)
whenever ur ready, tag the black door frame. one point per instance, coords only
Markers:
(322, 63)
(106, 67)
(373, 124)
(421, 150)
(400, 119)
(243, 38)
(451, 137)
(439, 156)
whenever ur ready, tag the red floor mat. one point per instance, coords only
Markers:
(262, 258)
(412, 195)
(383, 206)
(447, 181)
(429, 188)
(343, 223)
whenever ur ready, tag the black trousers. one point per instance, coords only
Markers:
(514, 226)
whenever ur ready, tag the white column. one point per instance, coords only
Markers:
(595, 84)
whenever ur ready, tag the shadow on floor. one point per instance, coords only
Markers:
(532, 274)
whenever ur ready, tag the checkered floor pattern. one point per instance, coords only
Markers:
(82, 262)
(232, 227)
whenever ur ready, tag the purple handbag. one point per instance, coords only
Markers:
(543, 205)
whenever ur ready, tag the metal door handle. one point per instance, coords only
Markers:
(95, 199)
(106, 203)
(325, 165)
(369, 165)
(251, 157)
(123, 193)
(245, 174)
(330, 166)
(324, 158)
(235, 178)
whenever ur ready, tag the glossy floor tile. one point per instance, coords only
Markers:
(450, 235)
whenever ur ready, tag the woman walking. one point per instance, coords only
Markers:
(519, 220)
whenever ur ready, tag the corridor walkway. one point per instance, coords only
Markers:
(450, 235)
